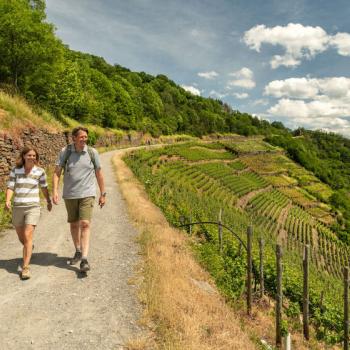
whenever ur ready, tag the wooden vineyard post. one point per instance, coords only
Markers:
(306, 292)
(249, 269)
(279, 296)
(261, 267)
(220, 230)
(346, 308)
(287, 342)
(321, 301)
(182, 220)
(190, 224)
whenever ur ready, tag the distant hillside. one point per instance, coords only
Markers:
(253, 183)
(327, 155)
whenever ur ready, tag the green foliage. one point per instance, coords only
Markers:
(29, 50)
(68, 96)
(327, 155)
(190, 190)
(5, 216)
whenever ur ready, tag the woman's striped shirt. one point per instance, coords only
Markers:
(26, 187)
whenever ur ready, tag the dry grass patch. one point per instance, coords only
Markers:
(16, 115)
(181, 301)
(262, 326)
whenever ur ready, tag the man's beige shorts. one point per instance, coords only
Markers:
(79, 208)
(25, 216)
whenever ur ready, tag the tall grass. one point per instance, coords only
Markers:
(16, 115)
(5, 216)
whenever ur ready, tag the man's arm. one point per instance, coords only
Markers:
(55, 182)
(101, 185)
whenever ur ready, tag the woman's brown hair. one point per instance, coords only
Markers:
(20, 161)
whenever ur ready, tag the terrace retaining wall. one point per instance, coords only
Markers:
(49, 145)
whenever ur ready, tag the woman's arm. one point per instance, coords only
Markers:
(46, 193)
(9, 194)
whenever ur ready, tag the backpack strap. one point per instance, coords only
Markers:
(68, 152)
(92, 156)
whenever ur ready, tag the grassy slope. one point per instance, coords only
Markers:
(16, 115)
(181, 306)
(191, 169)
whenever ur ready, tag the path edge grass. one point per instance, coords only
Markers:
(182, 307)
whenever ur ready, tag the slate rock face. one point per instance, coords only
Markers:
(48, 145)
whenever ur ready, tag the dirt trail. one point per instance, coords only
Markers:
(56, 308)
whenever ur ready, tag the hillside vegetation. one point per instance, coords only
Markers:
(16, 115)
(35, 63)
(253, 182)
(295, 188)
(78, 88)
(327, 155)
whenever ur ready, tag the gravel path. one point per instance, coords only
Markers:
(56, 308)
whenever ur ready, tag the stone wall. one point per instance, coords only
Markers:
(132, 139)
(48, 145)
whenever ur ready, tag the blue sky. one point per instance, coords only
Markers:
(280, 60)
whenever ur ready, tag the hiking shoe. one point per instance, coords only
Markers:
(76, 258)
(84, 266)
(25, 274)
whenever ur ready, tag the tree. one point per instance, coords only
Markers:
(67, 96)
(26, 41)
(152, 103)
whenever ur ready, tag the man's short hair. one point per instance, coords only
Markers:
(76, 130)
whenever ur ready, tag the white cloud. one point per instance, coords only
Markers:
(315, 109)
(287, 60)
(191, 89)
(240, 96)
(342, 42)
(298, 41)
(312, 103)
(217, 94)
(243, 73)
(336, 87)
(208, 75)
(261, 102)
(310, 88)
(293, 87)
(243, 83)
(245, 79)
(313, 115)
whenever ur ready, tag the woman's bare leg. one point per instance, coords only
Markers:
(28, 244)
(20, 233)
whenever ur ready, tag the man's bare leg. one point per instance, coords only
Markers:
(75, 232)
(85, 242)
(85, 237)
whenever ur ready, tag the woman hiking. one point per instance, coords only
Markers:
(24, 182)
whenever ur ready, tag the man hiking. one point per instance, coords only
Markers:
(81, 165)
